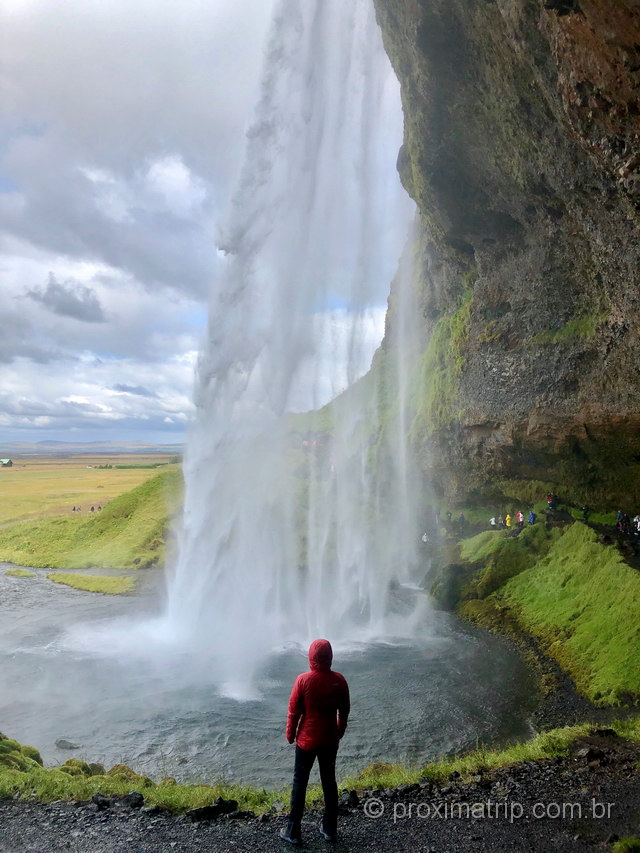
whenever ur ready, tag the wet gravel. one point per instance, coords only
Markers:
(582, 802)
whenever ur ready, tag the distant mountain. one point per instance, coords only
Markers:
(74, 448)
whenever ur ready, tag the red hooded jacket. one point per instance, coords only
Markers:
(319, 702)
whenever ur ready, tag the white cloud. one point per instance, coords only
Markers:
(180, 190)
(123, 127)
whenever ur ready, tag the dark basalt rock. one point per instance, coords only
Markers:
(522, 152)
(101, 802)
(133, 799)
(218, 808)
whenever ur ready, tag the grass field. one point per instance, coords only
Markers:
(36, 488)
(129, 532)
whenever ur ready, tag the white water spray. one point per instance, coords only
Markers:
(303, 525)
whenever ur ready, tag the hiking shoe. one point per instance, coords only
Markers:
(327, 836)
(295, 841)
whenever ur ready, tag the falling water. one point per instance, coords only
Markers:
(303, 524)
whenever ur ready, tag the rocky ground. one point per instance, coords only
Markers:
(582, 802)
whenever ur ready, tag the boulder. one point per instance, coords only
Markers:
(133, 799)
(101, 802)
(63, 743)
(226, 806)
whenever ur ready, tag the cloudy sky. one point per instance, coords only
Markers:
(122, 128)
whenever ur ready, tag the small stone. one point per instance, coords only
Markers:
(151, 810)
(264, 818)
(225, 806)
(204, 813)
(133, 799)
(589, 753)
(278, 806)
(101, 802)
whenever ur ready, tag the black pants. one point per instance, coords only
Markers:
(326, 756)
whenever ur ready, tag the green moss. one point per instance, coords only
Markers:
(578, 598)
(94, 583)
(581, 601)
(130, 531)
(527, 492)
(76, 767)
(123, 771)
(437, 381)
(626, 845)
(481, 546)
(608, 518)
(15, 756)
(582, 327)
(19, 573)
(504, 556)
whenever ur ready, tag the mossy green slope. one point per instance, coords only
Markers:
(129, 531)
(582, 600)
(577, 597)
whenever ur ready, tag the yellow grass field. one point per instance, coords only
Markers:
(40, 487)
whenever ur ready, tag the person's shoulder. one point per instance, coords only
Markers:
(339, 677)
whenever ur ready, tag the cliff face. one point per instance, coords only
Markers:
(522, 152)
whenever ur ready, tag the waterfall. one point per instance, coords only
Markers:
(299, 513)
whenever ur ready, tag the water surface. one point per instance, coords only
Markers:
(165, 716)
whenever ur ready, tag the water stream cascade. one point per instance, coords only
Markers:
(299, 513)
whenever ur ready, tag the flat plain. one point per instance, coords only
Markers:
(41, 487)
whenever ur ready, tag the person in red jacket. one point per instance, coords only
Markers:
(317, 720)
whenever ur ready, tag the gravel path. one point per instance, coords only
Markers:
(602, 769)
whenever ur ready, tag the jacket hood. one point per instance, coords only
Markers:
(320, 655)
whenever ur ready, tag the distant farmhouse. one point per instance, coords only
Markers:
(6, 463)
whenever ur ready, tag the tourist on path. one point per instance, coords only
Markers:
(507, 521)
(532, 517)
(317, 720)
(520, 517)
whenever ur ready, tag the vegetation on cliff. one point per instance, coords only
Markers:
(437, 387)
(576, 596)
(130, 531)
(521, 151)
